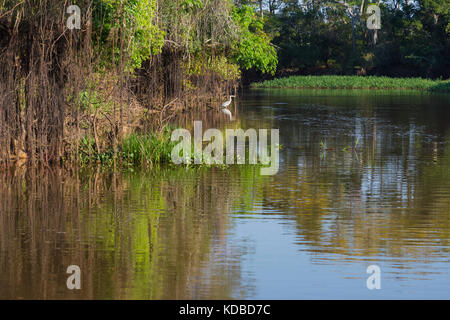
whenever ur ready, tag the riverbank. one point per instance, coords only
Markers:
(118, 76)
(355, 82)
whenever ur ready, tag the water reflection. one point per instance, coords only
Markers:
(134, 235)
(364, 178)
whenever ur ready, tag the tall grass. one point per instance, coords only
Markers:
(355, 82)
(135, 150)
(147, 149)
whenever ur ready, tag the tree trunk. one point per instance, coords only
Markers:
(353, 36)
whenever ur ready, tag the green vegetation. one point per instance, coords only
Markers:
(332, 37)
(133, 64)
(253, 49)
(136, 150)
(142, 149)
(135, 19)
(355, 82)
(102, 89)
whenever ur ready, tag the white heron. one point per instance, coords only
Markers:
(224, 108)
(227, 103)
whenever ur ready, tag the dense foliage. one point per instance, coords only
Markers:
(199, 28)
(133, 64)
(317, 37)
(133, 18)
(82, 82)
(253, 49)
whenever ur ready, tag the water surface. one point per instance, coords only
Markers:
(364, 179)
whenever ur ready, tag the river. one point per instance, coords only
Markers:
(364, 179)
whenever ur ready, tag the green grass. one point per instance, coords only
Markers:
(135, 150)
(146, 149)
(138, 151)
(355, 82)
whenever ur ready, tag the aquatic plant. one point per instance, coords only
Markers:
(355, 82)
